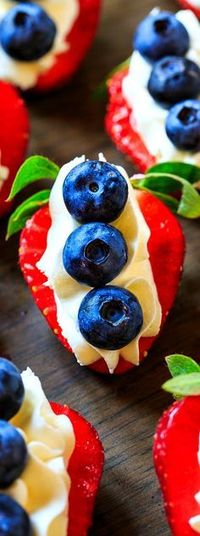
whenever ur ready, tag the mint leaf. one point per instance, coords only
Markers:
(33, 169)
(184, 385)
(101, 91)
(22, 213)
(170, 201)
(181, 364)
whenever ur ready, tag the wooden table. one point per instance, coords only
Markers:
(123, 409)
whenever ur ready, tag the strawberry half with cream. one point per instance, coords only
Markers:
(51, 461)
(153, 112)
(177, 448)
(95, 260)
(14, 135)
(193, 5)
(43, 43)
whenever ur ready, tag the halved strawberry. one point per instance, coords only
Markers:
(186, 4)
(14, 134)
(119, 128)
(79, 41)
(166, 248)
(85, 470)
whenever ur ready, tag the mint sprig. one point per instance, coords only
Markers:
(33, 169)
(168, 178)
(101, 91)
(186, 376)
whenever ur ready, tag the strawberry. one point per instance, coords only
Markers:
(14, 136)
(85, 469)
(186, 4)
(119, 128)
(176, 446)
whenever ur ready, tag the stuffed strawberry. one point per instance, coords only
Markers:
(42, 44)
(193, 5)
(95, 259)
(177, 448)
(153, 113)
(47, 444)
(15, 127)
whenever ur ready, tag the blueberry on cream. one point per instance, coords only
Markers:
(183, 125)
(151, 88)
(14, 520)
(134, 277)
(32, 35)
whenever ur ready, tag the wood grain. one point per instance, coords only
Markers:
(124, 409)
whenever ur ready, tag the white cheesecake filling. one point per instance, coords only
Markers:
(25, 74)
(136, 276)
(4, 173)
(148, 117)
(43, 487)
(194, 521)
(195, 3)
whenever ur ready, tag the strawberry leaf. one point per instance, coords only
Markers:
(181, 364)
(22, 213)
(33, 169)
(184, 385)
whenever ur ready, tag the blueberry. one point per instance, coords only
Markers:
(110, 317)
(95, 191)
(11, 389)
(14, 521)
(26, 32)
(13, 454)
(95, 253)
(161, 34)
(183, 125)
(174, 79)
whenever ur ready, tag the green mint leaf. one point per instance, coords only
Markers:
(184, 385)
(22, 213)
(188, 172)
(33, 169)
(101, 91)
(170, 201)
(181, 364)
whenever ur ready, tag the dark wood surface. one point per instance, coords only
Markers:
(123, 409)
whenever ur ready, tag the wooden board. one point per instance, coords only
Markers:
(124, 409)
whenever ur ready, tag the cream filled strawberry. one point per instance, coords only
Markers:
(43, 43)
(177, 448)
(154, 110)
(95, 259)
(193, 5)
(50, 456)
(15, 127)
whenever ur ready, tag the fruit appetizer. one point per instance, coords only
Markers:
(50, 445)
(95, 259)
(193, 5)
(15, 127)
(177, 448)
(43, 43)
(153, 113)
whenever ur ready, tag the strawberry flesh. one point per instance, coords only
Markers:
(186, 4)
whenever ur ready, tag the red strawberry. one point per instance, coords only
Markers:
(186, 4)
(14, 134)
(79, 40)
(166, 248)
(85, 469)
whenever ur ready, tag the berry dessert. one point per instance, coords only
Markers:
(15, 127)
(153, 112)
(193, 5)
(50, 445)
(43, 43)
(95, 259)
(177, 448)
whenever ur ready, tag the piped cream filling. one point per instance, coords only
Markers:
(25, 74)
(136, 276)
(43, 487)
(4, 173)
(194, 521)
(148, 117)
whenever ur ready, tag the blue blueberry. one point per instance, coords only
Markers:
(110, 317)
(161, 34)
(174, 79)
(13, 454)
(26, 32)
(95, 253)
(95, 191)
(14, 521)
(11, 390)
(183, 125)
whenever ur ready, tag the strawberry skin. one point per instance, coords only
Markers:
(14, 135)
(176, 445)
(166, 249)
(79, 41)
(118, 126)
(188, 5)
(85, 470)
